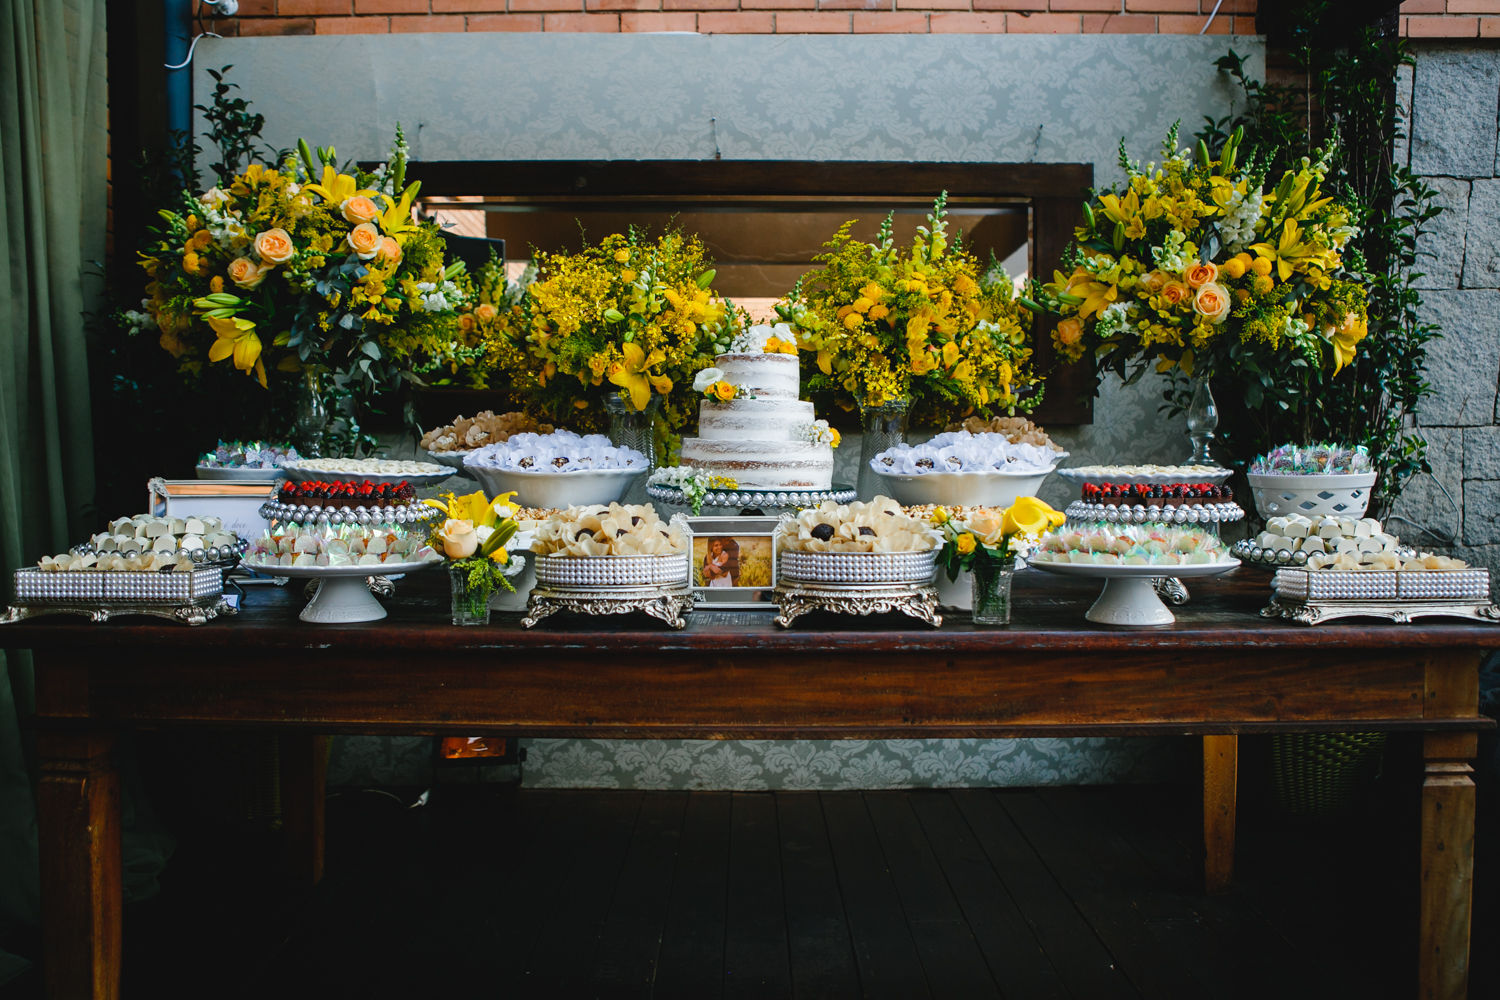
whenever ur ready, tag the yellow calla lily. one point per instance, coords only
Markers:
(634, 376)
(336, 188)
(236, 337)
(1030, 516)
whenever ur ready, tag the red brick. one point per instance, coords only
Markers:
(1192, 24)
(1043, 24)
(1011, 5)
(1245, 25)
(1489, 27)
(622, 4)
(655, 21)
(1119, 24)
(256, 8)
(856, 4)
(427, 22)
(932, 4)
(296, 7)
(277, 26)
(700, 4)
(390, 6)
(1423, 6)
(505, 22)
(753, 23)
(966, 24)
(581, 22)
(1106, 6)
(778, 4)
(1157, 6)
(1230, 7)
(887, 23)
(468, 6)
(1431, 26)
(1472, 7)
(545, 5)
(798, 23)
(353, 25)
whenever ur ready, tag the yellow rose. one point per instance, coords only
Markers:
(621, 256)
(466, 323)
(359, 209)
(940, 515)
(1212, 303)
(1174, 292)
(390, 250)
(274, 246)
(1155, 281)
(1233, 268)
(723, 390)
(1261, 265)
(484, 312)
(1029, 516)
(834, 437)
(1070, 331)
(458, 537)
(1200, 274)
(245, 273)
(965, 543)
(364, 240)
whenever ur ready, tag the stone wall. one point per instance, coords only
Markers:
(1452, 97)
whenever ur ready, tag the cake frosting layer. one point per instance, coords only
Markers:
(761, 419)
(775, 376)
(762, 464)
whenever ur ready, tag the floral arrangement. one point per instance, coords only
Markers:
(488, 336)
(1313, 460)
(711, 384)
(818, 432)
(993, 537)
(693, 482)
(925, 322)
(1196, 264)
(304, 267)
(628, 316)
(472, 538)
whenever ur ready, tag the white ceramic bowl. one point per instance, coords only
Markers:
(963, 489)
(452, 459)
(1343, 495)
(557, 489)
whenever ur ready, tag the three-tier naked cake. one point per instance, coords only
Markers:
(760, 437)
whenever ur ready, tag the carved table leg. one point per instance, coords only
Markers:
(78, 807)
(1447, 866)
(304, 771)
(1220, 794)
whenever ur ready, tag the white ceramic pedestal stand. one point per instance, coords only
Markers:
(343, 595)
(1129, 596)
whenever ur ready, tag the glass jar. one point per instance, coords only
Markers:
(992, 592)
(471, 604)
(881, 427)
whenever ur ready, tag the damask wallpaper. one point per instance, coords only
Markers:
(1007, 98)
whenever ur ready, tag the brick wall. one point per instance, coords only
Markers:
(332, 17)
(1451, 18)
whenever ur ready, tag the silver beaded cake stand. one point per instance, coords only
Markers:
(723, 503)
(795, 598)
(664, 602)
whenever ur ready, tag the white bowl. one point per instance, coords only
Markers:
(963, 489)
(1345, 495)
(557, 489)
(452, 459)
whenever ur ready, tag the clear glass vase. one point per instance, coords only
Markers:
(471, 605)
(992, 592)
(1202, 421)
(632, 428)
(311, 416)
(881, 427)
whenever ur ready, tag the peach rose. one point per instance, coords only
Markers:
(390, 249)
(1070, 331)
(1200, 274)
(1212, 302)
(458, 538)
(1155, 281)
(359, 209)
(245, 273)
(484, 312)
(274, 246)
(364, 240)
(1175, 292)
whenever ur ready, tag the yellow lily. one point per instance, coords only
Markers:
(1288, 250)
(1122, 210)
(633, 374)
(1096, 294)
(336, 188)
(1345, 341)
(397, 215)
(236, 337)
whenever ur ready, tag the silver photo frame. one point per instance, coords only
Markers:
(739, 572)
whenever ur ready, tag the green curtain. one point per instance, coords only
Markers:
(53, 171)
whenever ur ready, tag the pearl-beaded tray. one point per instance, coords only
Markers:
(1206, 514)
(1313, 596)
(409, 513)
(191, 597)
(859, 568)
(609, 572)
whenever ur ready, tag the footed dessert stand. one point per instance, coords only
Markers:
(795, 598)
(669, 604)
(1132, 594)
(344, 593)
(723, 503)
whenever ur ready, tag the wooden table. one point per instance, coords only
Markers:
(1218, 672)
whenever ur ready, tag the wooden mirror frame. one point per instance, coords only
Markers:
(1054, 192)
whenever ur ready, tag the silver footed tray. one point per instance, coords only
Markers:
(795, 598)
(669, 603)
(768, 501)
(1314, 596)
(1208, 514)
(191, 598)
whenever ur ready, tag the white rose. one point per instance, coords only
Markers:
(706, 378)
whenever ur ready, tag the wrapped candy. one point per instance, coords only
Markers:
(878, 526)
(613, 530)
(559, 451)
(961, 451)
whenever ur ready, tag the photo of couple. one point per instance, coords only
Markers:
(728, 561)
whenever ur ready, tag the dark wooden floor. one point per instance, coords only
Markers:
(1085, 893)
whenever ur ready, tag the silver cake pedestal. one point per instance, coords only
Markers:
(668, 604)
(200, 613)
(723, 503)
(795, 598)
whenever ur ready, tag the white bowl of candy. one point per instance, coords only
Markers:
(958, 468)
(561, 469)
(1317, 479)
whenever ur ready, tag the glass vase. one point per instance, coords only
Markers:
(992, 592)
(311, 416)
(881, 427)
(1202, 421)
(471, 605)
(632, 428)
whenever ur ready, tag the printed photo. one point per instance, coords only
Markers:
(732, 561)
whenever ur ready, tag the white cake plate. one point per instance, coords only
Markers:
(1085, 474)
(452, 459)
(1129, 596)
(240, 474)
(417, 479)
(342, 596)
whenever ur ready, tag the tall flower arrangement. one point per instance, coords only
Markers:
(628, 316)
(1203, 265)
(302, 267)
(917, 323)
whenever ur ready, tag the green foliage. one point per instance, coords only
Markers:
(233, 127)
(1349, 96)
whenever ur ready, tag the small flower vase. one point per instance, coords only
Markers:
(1202, 421)
(471, 605)
(992, 592)
(881, 427)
